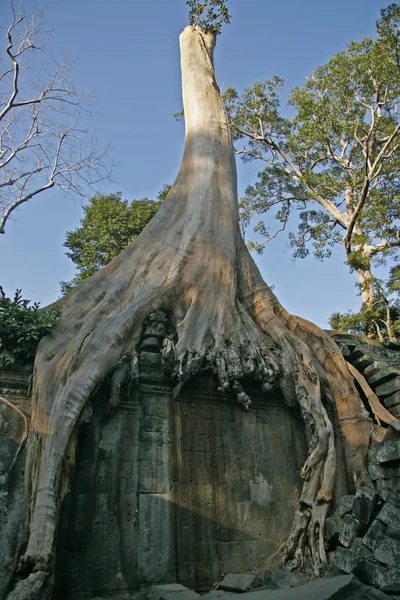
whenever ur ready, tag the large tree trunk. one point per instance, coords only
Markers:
(191, 263)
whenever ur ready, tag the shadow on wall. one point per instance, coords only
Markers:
(166, 491)
(12, 433)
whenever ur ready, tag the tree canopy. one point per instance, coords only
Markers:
(109, 224)
(209, 15)
(335, 162)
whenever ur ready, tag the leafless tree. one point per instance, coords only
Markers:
(43, 143)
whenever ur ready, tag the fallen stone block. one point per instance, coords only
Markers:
(374, 368)
(388, 552)
(390, 387)
(391, 588)
(343, 587)
(358, 547)
(351, 529)
(170, 591)
(364, 359)
(374, 534)
(390, 515)
(392, 400)
(238, 582)
(389, 451)
(382, 376)
(395, 411)
(215, 595)
(364, 504)
(388, 494)
(345, 560)
(344, 506)
(384, 576)
(333, 527)
(282, 580)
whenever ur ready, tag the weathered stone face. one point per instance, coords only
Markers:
(13, 385)
(184, 490)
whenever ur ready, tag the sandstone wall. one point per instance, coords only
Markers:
(185, 490)
(14, 387)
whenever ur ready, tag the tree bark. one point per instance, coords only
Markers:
(191, 262)
(367, 289)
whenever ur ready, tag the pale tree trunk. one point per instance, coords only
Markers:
(366, 287)
(191, 262)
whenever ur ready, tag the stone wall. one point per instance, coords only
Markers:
(14, 387)
(185, 490)
(162, 490)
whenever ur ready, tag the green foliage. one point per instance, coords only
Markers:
(371, 321)
(209, 15)
(108, 226)
(380, 320)
(334, 164)
(21, 327)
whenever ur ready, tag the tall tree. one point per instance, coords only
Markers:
(109, 224)
(336, 161)
(43, 143)
(192, 263)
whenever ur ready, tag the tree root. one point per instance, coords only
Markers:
(26, 430)
(379, 411)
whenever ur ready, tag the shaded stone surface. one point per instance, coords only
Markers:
(389, 451)
(342, 587)
(171, 591)
(364, 505)
(344, 505)
(178, 491)
(283, 580)
(387, 551)
(351, 529)
(13, 386)
(374, 534)
(238, 582)
(390, 515)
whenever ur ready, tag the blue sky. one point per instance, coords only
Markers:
(127, 53)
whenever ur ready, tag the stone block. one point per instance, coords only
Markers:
(359, 548)
(392, 400)
(333, 528)
(374, 534)
(389, 451)
(351, 529)
(382, 376)
(170, 591)
(364, 359)
(155, 329)
(393, 532)
(345, 560)
(343, 587)
(364, 504)
(395, 410)
(390, 515)
(282, 580)
(384, 576)
(388, 552)
(388, 388)
(391, 588)
(214, 595)
(374, 368)
(388, 494)
(345, 505)
(238, 582)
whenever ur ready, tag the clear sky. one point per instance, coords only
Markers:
(127, 52)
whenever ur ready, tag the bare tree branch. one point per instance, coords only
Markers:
(43, 143)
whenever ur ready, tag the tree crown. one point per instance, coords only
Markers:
(210, 15)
